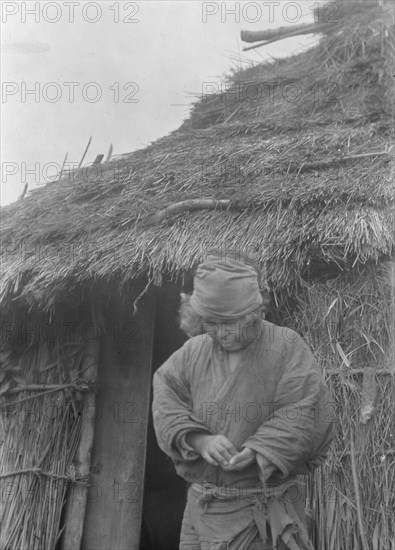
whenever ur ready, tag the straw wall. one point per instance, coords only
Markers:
(348, 321)
(40, 423)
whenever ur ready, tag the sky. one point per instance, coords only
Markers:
(124, 73)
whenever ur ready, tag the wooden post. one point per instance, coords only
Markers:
(24, 191)
(391, 353)
(115, 498)
(98, 159)
(85, 152)
(76, 503)
(283, 32)
(63, 165)
(109, 153)
(369, 394)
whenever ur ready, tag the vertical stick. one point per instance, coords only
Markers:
(391, 354)
(369, 394)
(24, 191)
(98, 159)
(109, 153)
(76, 504)
(362, 531)
(85, 152)
(63, 165)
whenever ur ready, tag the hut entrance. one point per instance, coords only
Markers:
(120, 499)
(164, 490)
(114, 501)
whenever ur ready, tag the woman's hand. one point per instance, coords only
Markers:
(241, 460)
(217, 450)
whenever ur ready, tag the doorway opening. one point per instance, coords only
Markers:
(164, 491)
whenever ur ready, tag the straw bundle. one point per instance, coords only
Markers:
(39, 431)
(348, 321)
(345, 517)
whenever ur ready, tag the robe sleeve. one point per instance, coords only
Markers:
(173, 413)
(298, 432)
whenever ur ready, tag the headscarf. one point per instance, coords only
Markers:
(225, 289)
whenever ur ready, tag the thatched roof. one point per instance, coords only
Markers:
(291, 144)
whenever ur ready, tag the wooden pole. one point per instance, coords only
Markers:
(333, 162)
(85, 152)
(283, 32)
(391, 354)
(369, 394)
(362, 531)
(63, 165)
(76, 503)
(189, 206)
(98, 159)
(24, 191)
(109, 153)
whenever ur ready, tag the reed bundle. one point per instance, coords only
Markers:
(39, 438)
(348, 322)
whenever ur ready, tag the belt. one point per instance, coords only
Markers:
(270, 508)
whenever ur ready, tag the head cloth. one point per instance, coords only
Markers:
(225, 289)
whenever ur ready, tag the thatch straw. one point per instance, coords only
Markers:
(332, 498)
(301, 149)
(39, 438)
(354, 491)
(347, 316)
(309, 177)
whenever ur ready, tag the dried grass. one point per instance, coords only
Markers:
(95, 224)
(322, 235)
(348, 320)
(41, 433)
(347, 78)
(331, 492)
(349, 323)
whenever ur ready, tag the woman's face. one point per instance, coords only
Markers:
(232, 334)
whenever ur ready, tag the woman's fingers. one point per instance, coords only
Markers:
(236, 467)
(245, 454)
(228, 445)
(241, 460)
(208, 458)
(220, 455)
(227, 455)
(218, 450)
(239, 463)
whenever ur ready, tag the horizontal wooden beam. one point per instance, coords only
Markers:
(188, 206)
(283, 32)
(358, 371)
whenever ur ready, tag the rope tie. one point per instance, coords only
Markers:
(71, 476)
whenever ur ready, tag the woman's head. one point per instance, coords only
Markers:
(225, 331)
(226, 303)
(225, 289)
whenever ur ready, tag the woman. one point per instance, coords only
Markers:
(240, 410)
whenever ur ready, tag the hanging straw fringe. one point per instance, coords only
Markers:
(135, 308)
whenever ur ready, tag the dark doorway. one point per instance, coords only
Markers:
(164, 491)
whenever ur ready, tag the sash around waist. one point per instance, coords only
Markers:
(207, 492)
(252, 510)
